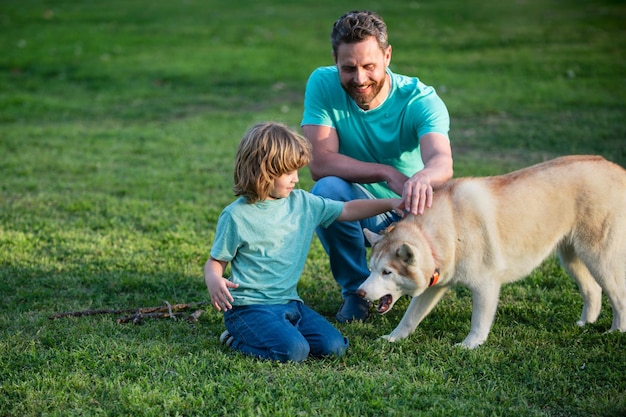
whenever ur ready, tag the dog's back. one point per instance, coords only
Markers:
(573, 198)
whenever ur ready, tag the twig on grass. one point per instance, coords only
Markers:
(193, 317)
(138, 317)
(160, 312)
(169, 310)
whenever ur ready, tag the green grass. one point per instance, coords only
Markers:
(118, 125)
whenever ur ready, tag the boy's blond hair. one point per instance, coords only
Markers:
(266, 152)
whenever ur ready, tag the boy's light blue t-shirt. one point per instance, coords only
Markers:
(388, 134)
(267, 244)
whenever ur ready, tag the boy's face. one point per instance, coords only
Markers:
(362, 71)
(283, 185)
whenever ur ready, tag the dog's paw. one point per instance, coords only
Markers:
(470, 343)
(396, 335)
(389, 338)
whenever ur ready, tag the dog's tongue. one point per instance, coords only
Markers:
(385, 303)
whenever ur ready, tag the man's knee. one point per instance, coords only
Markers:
(334, 188)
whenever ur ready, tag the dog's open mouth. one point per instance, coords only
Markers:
(385, 304)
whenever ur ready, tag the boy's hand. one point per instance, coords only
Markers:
(399, 207)
(220, 295)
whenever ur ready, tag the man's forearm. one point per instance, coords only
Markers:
(350, 169)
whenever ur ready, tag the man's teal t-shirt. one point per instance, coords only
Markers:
(267, 244)
(388, 134)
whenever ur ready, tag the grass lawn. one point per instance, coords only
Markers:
(119, 121)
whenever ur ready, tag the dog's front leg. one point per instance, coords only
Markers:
(484, 305)
(419, 307)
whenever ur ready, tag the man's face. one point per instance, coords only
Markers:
(362, 73)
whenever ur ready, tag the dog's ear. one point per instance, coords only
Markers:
(371, 236)
(405, 253)
(389, 228)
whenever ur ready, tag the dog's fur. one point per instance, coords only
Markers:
(484, 232)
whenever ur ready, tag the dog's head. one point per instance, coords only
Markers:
(399, 265)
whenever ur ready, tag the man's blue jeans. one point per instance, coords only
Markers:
(283, 332)
(345, 242)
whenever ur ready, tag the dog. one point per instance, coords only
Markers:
(484, 232)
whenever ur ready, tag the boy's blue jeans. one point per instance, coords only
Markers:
(345, 242)
(283, 332)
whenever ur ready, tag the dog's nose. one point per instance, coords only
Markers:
(361, 293)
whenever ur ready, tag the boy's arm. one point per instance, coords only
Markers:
(362, 209)
(218, 285)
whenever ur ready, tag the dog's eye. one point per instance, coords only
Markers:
(386, 272)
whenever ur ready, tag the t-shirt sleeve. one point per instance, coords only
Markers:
(331, 209)
(430, 114)
(226, 237)
(316, 101)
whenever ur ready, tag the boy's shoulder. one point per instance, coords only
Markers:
(240, 201)
(234, 207)
(303, 195)
(312, 201)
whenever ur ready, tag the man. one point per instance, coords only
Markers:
(374, 134)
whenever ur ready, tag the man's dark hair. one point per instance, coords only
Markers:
(357, 26)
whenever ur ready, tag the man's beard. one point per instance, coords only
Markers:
(364, 100)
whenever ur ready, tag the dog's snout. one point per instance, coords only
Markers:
(361, 293)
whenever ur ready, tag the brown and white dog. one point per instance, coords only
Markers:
(482, 233)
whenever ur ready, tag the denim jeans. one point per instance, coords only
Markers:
(283, 332)
(345, 242)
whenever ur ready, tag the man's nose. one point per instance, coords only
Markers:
(360, 77)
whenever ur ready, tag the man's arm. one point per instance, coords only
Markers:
(327, 161)
(417, 192)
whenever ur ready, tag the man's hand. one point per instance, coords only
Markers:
(417, 194)
(395, 180)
